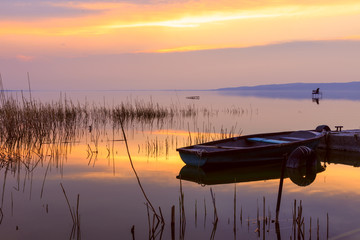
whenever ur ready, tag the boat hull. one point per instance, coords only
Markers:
(199, 155)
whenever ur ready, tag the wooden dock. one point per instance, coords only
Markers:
(346, 140)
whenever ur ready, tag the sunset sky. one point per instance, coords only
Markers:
(184, 44)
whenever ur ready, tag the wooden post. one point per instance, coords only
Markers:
(280, 187)
(173, 222)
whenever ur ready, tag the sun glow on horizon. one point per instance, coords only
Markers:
(196, 21)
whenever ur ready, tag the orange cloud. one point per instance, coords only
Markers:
(181, 26)
(24, 58)
(186, 14)
(352, 37)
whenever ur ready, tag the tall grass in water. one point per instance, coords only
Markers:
(262, 223)
(209, 133)
(34, 132)
(27, 125)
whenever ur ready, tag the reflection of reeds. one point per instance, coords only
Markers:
(259, 223)
(264, 218)
(239, 111)
(133, 232)
(298, 225)
(75, 216)
(1, 215)
(195, 213)
(182, 216)
(216, 219)
(234, 227)
(173, 222)
(298, 221)
(156, 227)
(327, 225)
(149, 204)
(157, 218)
(204, 212)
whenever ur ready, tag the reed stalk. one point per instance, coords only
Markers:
(310, 225)
(216, 219)
(68, 203)
(75, 216)
(264, 218)
(182, 221)
(195, 213)
(1, 215)
(234, 226)
(241, 215)
(204, 212)
(318, 230)
(327, 225)
(159, 218)
(133, 232)
(173, 222)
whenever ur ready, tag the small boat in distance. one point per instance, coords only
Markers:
(251, 148)
(193, 97)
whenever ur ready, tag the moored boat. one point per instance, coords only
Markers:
(193, 97)
(249, 149)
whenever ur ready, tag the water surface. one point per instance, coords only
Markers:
(111, 202)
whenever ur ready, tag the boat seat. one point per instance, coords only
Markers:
(217, 147)
(293, 138)
(266, 140)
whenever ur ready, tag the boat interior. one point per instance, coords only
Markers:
(257, 140)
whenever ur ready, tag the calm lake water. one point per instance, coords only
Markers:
(96, 168)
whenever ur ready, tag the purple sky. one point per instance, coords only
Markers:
(325, 61)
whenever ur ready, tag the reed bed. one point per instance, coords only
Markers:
(261, 225)
(30, 123)
(27, 125)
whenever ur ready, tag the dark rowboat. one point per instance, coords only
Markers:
(249, 149)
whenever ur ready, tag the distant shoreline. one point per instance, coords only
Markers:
(348, 86)
(297, 87)
(345, 91)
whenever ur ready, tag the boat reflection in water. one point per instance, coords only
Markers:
(302, 176)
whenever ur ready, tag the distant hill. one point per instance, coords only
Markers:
(349, 86)
(350, 90)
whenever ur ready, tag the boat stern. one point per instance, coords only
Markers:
(192, 158)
